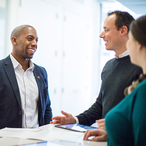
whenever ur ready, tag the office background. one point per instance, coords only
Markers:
(69, 46)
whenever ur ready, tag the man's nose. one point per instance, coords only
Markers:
(101, 35)
(34, 43)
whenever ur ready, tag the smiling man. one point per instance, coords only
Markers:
(24, 97)
(117, 74)
(115, 29)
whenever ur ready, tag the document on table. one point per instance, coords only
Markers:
(47, 132)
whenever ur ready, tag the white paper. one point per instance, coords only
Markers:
(44, 133)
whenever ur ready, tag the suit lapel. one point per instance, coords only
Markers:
(38, 80)
(8, 67)
(37, 76)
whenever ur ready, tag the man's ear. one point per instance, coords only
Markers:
(139, 46)
(124, 30)
(14, 40)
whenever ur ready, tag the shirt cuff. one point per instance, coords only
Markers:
(77, 120)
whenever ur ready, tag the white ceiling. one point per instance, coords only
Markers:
(137, 6)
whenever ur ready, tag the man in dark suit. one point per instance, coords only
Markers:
(24, 97)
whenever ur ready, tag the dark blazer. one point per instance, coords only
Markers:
(10, 101)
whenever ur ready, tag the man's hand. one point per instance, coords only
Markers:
(99, 135)
(101, 123)
(66, 119)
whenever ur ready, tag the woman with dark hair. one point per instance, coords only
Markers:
(126, 122)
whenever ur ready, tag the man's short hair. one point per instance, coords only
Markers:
(122, 18)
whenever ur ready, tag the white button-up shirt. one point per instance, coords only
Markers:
(28, 92)
(126, 53)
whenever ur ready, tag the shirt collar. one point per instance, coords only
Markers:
(126, 53)
(16, 63)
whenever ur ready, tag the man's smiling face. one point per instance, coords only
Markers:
(110, 34)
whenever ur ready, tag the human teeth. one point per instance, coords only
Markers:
(31, 50)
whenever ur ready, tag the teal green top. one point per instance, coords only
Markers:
(126, 122)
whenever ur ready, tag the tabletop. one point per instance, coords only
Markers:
(18, 136)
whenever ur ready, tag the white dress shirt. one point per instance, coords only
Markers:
(28, 92)
(126, 53)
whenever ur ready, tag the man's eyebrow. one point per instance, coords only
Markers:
(30, 36)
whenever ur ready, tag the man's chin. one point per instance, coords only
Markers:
(29, 57)
(109, 49)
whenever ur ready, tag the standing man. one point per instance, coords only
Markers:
(24, 98)
(117, 74)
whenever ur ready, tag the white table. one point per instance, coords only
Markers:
(49, 133)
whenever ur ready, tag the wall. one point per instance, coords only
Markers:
(67, 47)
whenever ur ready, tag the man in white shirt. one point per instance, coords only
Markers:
(24, 97)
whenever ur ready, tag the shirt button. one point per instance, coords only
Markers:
(19, 112)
